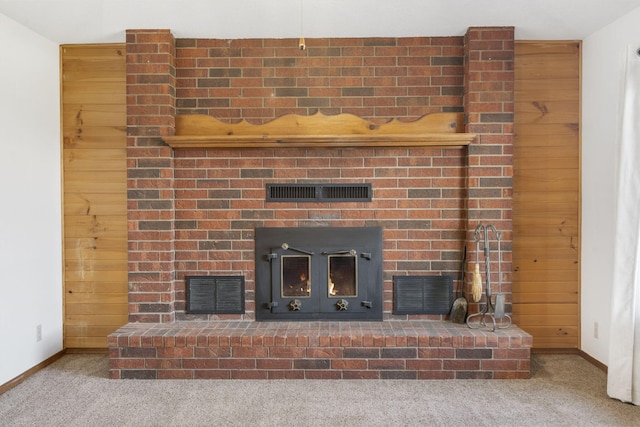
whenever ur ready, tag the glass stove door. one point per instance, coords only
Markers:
(343, 276)
(295, 276)
(293, 284)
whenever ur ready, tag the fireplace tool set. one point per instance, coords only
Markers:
(491, 311)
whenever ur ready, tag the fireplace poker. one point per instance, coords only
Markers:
(476, 286)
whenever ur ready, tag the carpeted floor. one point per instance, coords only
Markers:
(564, 390)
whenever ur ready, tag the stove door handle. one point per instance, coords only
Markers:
(286, 246)
(351, 252)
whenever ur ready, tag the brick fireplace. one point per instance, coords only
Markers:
(194, 211)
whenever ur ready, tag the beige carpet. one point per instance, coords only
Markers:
(564, 390)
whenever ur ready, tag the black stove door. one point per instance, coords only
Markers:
(294, 285)
(319, 273)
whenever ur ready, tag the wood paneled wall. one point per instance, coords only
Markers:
(546, 199)
(95, 216)
(546, 250)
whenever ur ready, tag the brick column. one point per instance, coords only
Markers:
(489, 106)
(150, 115)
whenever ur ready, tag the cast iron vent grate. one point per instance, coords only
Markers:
(318, 192)
(215, 294)
(422, 294)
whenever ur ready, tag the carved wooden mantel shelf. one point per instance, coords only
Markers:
(318, 131)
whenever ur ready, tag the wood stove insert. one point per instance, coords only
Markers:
(313, 273)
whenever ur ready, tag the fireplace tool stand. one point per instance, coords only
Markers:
(490, 312)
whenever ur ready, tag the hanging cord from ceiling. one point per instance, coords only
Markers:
(301, 43)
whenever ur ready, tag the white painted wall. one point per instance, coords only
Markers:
(30, 217)
(602, 70)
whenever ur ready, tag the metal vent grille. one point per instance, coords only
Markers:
(346, 192)
(318, 192)
(422, 294)
(215, 294)
(291, 192)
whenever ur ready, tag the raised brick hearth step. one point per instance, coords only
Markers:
(317, 350)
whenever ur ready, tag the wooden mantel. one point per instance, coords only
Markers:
(318, 130)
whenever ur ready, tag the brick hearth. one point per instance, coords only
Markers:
(317, 350)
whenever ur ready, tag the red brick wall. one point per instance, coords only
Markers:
(418, 198)
(194, 211)
(489, 54)
(261, 79)
(150, 115)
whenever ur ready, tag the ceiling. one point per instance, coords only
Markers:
(101, 21)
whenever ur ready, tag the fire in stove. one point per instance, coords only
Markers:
(319, 273)
(343, 271)
(296, 280)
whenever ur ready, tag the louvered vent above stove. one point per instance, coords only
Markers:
(319, 192)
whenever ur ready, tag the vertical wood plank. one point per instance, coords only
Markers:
(94, 188)
(546, 199)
